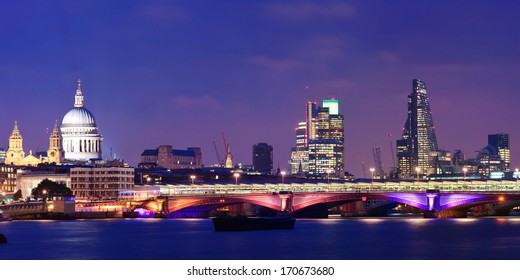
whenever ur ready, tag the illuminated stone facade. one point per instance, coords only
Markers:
(96, 183)
(81, 140)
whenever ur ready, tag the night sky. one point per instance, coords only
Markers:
(182, 72)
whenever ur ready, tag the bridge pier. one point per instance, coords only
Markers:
(318, 211)
(354, 209)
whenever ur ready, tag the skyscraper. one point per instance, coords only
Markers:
(299, 162)
(418, 138)
(263, 158)
(322, 154)
(501, 142)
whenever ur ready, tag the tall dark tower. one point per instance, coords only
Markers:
(418, 138)
(263, 158)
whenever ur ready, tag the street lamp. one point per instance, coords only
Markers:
(372, 182)
(236, 178)
(464, 170)
(44, 204)
(148, 186)
(516, 175)
(192, 177)
(328, 179)
(283, 175)
(418, 170)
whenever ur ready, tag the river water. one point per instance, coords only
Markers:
(312, 239)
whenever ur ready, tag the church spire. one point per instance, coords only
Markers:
(16, 131)
(56, 129)
(79, 96)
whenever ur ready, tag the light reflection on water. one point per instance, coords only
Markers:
(338, 238)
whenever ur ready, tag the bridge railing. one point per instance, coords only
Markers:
(347, 186)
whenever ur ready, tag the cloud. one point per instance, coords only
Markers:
(388, 57)
(322, 48)
(205, 101)
(305, 11)
(163, 12)
(277, 65)
(335, 86)
(458, 68)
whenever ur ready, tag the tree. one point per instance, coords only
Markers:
(17, 195)
(51, 188)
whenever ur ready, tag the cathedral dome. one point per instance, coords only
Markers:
(78, 117)
(80, 137)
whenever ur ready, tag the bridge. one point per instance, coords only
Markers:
(432, 198)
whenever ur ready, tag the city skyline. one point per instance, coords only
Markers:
(162, 73)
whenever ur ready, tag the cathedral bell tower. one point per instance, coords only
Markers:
(15, 153)
(55, 152)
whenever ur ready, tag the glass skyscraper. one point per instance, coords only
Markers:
(322, 154)
(418, 138)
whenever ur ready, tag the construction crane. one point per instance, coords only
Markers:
(218, 156)
(41, 140)
(379, 164)
(229, 158)
(392, 152)
(363, 166)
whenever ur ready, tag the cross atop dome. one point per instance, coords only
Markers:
(79, 103)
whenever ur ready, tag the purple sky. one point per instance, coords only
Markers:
(181, 72)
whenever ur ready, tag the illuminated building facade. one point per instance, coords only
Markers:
(94, 183)
(29, 179)
(3, 154)
(15, 153)
(440, 162)
(7, 178)
(501, 142)
(167, 157)
(489, 161)
(299, 162)
(319, 150)
(418, 138)
(263, 158)
(81, 140)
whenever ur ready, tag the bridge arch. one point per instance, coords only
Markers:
(173, 204)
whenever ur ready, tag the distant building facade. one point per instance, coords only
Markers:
(28, 180)
(7, 178)
(103, 182)
(167, 157)
(299, 162)
(501, 142)
(263, 158)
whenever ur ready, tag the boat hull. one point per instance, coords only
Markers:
(252, 223)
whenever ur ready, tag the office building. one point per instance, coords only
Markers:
(319, 151)
(263, 158)
(103, 182)
(418, 138)
(299, 162)
(501, 142)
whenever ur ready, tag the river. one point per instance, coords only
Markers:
(312, 239)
